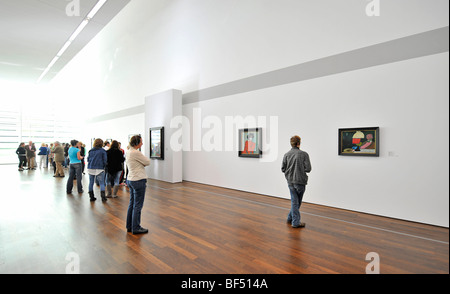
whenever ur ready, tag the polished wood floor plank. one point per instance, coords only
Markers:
(196, 228)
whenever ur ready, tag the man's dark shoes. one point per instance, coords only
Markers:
(301, 225)
(140, 231)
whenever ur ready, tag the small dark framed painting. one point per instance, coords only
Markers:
(157, 143)
(250, 143)
(359, 142)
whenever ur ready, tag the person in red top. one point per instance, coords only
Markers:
(250, 146)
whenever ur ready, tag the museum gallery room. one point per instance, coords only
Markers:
(224, 137)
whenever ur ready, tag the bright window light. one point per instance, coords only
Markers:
(63, 49)
(81, 27)
(75, 34)
(54, 60)
(96, 8)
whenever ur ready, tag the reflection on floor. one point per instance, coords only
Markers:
(196, 228)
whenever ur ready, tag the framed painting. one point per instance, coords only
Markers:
(157, 143)
(250, 143)
(359, 142)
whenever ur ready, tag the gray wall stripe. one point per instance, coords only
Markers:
(118, 114)
(423, 44)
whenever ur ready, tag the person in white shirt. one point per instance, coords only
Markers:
(137, 182)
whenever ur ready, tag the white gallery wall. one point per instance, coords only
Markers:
(160, 108)
(406, 100)
(153, 46)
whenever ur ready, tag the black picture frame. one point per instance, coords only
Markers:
(157, 143)
(250, 143)
(359, 142)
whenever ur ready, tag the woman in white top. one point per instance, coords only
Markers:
(137, 182)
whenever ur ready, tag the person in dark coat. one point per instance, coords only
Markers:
(114, 168)
(22, 153)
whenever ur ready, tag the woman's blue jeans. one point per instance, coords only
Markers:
(74, 169)
(101, 180)
(113, 180)
(137, 195)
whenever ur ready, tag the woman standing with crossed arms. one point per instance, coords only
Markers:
(137, 182)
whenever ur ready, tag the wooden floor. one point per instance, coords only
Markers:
(195, 228)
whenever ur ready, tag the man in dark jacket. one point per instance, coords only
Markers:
(22, 153)
(295, 167)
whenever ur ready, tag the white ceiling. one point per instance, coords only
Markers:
(33, 31)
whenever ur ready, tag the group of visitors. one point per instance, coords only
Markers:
(105, 166)
(27, 155)
(106, 163)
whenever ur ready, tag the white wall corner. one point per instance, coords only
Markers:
(159, 110)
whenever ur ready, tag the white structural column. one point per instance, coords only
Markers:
(159, 111)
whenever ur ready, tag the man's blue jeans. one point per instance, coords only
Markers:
(137, 195)
(297, 192)
(74, 169)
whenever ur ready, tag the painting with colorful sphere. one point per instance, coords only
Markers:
(359, 141)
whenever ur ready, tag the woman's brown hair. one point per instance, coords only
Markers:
(98, 143)
(114, 145)
(135, 140)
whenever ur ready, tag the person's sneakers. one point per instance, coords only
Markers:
(301, 225)
(141, 230)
